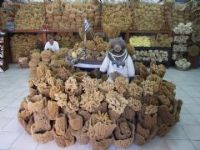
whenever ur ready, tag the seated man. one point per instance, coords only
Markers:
(118, 61)
(51, 45)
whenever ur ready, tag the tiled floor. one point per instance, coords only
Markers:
(184, 136)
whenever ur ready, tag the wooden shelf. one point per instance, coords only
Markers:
(3, 51)
(148, 31)
(152, 48)
(147, 63)
(47, 31)
(77, 30)
(26, 31)
(127, 36)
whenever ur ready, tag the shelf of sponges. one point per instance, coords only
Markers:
(148, 63)
(153, 48)
(77, 30)
(161, 55)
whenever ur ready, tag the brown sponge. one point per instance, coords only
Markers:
(129, 114)
(36, 103)
(52, 109)
(81, 135)
(85, 114)
(100, 130)
(42, 121)
(26, 119)
(150, 121)
(64, 141)
(102, 108)
(101, 144)
(163, 130)
(139, 139)
(113, 115)
(41, 136)
(75, 121)
(60, 125)
(142, 131)
(123, 144)
(165, 115)
(122, 131)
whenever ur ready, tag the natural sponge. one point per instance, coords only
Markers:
(116, 102)
(35, 103)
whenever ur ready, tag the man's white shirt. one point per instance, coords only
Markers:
(54, 47)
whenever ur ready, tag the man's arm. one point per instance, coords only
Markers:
(57, 46)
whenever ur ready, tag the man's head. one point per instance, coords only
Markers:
(50, 39)
(118, 45)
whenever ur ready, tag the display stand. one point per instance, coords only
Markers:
(86, 64)
(127, 33)
(3, 53)
(167, 49)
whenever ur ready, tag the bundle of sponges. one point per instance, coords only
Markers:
(71, 15)
(181, 39)
(98, 44)
(183, 28)
(148, 17)
(35, 59)
(4, 18)
(99, 130)
(180, 48)
(118, 14)
(8, 12)
(84, 109)
(151, 55)
(162, 40)
(67, 39)
(30, 16)
(116, 17)
(179, 16)
(141, 72)
(23, 62)
(95, 50)
(56, 60)
(46, 56)
(158, 69)
(136, 41)
(183, 64)
(21, 45)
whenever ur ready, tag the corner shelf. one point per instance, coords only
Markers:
(3, 52)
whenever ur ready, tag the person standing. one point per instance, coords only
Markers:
(118, 61)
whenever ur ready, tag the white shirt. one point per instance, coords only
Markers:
(127, 71)
(54, 47)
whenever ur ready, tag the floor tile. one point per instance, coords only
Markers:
(177, 133)
(197, 100)
(3, 122)
(8, 112)
(196, 144)
(197, 117)
(156, 144)
(184, 109)
(13, 126)
(28, 143)
(52, 146)
(193, 108)
(188, 119)
(7, 139)
(193, 91)
(180, 145)
(3, 103)
(193, 132)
